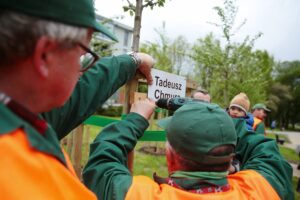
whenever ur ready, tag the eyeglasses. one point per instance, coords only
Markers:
(88, 59)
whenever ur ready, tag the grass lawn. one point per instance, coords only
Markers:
(295, 181)
(288, 153)
(273, 136)
(146, 164)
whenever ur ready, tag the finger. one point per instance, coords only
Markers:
(152, 101)
(149, 78)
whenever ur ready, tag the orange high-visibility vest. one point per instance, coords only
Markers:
(247, 184)
(256, 122)
(26, 173)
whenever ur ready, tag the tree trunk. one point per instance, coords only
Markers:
(137, 25)
(132, 85)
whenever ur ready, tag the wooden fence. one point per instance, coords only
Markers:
(77, 143)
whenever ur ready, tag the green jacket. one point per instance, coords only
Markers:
(260, 128)
(106, 172)
(92, 90)
(261, 154)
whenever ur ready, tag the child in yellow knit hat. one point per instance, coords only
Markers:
(239, 105)
(238, 108)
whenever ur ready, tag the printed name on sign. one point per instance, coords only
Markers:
(167, 84)
(159, 94)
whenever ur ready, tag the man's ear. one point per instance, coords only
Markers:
(42, 55)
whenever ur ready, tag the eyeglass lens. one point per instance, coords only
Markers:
(86, 60)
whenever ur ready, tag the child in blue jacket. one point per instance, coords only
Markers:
(239, 107)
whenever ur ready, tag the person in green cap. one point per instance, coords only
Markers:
(46, 91)
(259, 112)
(201, 94)
(202, 139)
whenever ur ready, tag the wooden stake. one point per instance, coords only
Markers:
(77, 153)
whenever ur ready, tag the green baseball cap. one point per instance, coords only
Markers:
(261, 106)
(74, 12)
(198, 127)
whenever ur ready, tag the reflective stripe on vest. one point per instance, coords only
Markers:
(256, 122)
(246, 184)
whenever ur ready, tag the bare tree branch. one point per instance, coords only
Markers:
(129, 3)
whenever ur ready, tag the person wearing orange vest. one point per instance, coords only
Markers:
(259, 112)
(45, 92)
(202, 139)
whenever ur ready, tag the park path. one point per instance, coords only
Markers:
(294, 138)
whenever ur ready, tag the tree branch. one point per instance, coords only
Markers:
(130, 6)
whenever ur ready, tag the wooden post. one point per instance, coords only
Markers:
(77, 153)
(70, 143)
(130, 88)
(131, 96)
(86, 141)
(151, 122)
(190, 87)
(64, 142)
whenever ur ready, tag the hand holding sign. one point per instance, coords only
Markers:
(145, 66)
(144, 108)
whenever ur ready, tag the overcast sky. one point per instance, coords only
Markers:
(278, 20)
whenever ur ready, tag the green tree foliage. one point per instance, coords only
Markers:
(208, 55)
(178, 52)
(159, 50)
(230, 68)
(101, 47)
(278, 101)
(137, 10)
(279, 95)
(170, 55)
(131, 8)
(287, 106)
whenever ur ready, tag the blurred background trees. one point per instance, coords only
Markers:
(225, 67)
(284, 94)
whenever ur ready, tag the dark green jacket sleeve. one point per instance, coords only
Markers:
(106, 172)
(260, 128)
(92, 90)
(261, 154)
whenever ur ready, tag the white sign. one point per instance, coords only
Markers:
(166, 85)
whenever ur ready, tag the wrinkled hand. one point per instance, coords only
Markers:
(145, 66)
(144, 107)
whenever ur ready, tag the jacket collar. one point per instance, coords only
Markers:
(40, 135)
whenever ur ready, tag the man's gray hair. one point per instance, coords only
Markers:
(19, 33)
(186, 164)
(203, 91)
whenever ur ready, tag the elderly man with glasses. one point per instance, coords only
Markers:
(50, 82)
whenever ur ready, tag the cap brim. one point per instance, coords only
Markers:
(163, 123)
(266, 109)
(105, 31)
(240, 107)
